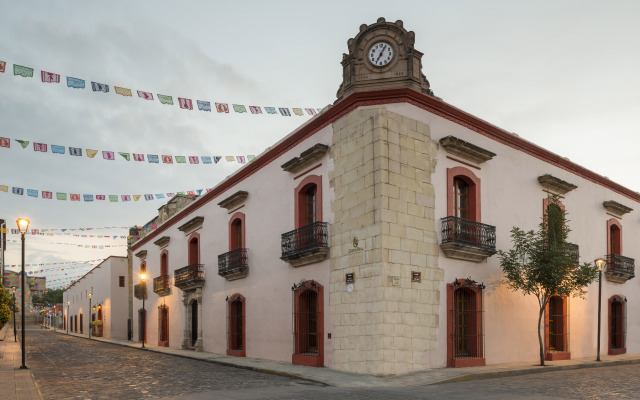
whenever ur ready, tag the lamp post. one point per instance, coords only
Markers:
(601, 264)
(68, 319)
(15, 334)
(143, 281)
(23, 225)
(90, 295)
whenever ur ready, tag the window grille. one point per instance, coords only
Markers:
(306, 317)
(467, 315)
(235, 323)
(558, 324)
(163, 324)
(617, 323)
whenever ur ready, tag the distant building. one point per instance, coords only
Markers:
(365, 240)
(34, 285)
(101, 295)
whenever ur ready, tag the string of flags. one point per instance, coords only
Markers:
(184, 103)
(112, 198)
(64, 230)
(84, 246)
(36, 232)
(127, 156)
(65, 263)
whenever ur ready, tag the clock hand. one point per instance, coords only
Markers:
(380, 55)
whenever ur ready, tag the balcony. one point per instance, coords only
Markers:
(162, 285)
(189, 277)
(463, 239)
(234, 264)
(574, 253)
(306, 245)
(140, 291)
(619, 268)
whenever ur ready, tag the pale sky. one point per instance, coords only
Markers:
(562, 74)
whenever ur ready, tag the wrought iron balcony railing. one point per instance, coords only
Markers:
(234, 264)
(189, 276)
(162, 285)
(463, 231)
(140, 291)
(305, 240)
(620, 266)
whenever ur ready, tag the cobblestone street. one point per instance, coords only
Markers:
(67, 367)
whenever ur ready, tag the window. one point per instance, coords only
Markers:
(614, 237)
(121, 281)
(142, 325)
(463, 194)
(194, 249)
(81, 323)
(465, 338)
(235, 326)
(164, 263)
(163, 326)
(237, 232)
(143, 267)
(75, 323)
(556, 329)
(308, 323)
(308, 201)
(617, 325)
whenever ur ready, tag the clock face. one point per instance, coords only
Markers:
(380, 54)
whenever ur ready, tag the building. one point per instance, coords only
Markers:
(33, 285)
(99, 301)
(365, 240)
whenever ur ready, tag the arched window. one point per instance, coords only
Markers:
(463, 194)
(308, 201)
(237, 232)
(194, 249)
(81, 323)
(465, 338)
(308, 324)
(557, 329)
(235, 326)
(164, 263)
(310, 204)
(163, 326)
(143, 267)
(615, 237)
(617, 325)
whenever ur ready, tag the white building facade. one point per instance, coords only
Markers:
(101, 296)
(365, 240)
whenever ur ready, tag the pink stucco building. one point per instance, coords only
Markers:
(365, 240)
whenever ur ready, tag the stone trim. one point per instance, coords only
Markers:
(141, 254)
(307, 157)
(466, 150)
(461, 251)
(234, 200)
(162, 242)
(556, 185)
(616, 208)
(191, 225)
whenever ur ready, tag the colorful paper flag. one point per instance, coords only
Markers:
(239, 108)
(126, 197)
(160, 196)
(148, 197)
(230, 158)
(88, 197)
(206, 159)
(126, 156)
(57, 149)
(61, 196)
(75, 197)
(100, 197)
(310, 111)
(153, 158)
(136, 197)
(165, 99)
(255, 110)
(91, 153)
(99, 87)
(186, 104)
(75, 151)
(270, 110)
(32, 193)
(75, 83)
(284, 112)
(204, 105)
(23, 143)
(5, 142)
(251, 158)
(122, 91)
(3, 65)
(17, 190)
(167, 159)
(49, 77)
(47, 194)
(138, 157)
(108, 155)
(4, 188)
(181, 159)
(22, 71)
(297, 111)
(241, 159)
(222, 108)
(113, 198)
(145, 95)
(40, 147)
(194, 160)
(216, 159)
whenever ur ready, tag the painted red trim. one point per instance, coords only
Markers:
(243, 352)
(164, 267)
(232, 211)
(473, 181)
(453, 362)
(232, 233)
(307, 171)
(617, 224)
(557, 355)
(463, 162)
(545, 205)
(623, 349)
(299, 199)
(312, 361)
(193, 236)
(163, 343)
(143, 267)
(382, 97)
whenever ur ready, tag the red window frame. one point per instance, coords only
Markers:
(236, 326)
(237, 229)
(164, 262)
(163, 325)
(473, 198)
(617, 325)
(301, 218)
(474, 321)
(614, 237)
(561, 325)
(193, 248)
(300, 325)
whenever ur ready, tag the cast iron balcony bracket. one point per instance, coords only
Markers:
(306, 245)
(467, 240)
(234, 264)
(189, 277)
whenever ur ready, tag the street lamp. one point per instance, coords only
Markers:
(601, 264)
(23, 225)
(90, 294)
(143, 281)
(15, 334)
(68, 319)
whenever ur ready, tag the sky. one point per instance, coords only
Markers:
(561, 74)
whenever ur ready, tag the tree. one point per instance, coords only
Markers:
(543, 264)
(48, 298)
(5, 306)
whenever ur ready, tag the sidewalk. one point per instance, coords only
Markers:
(346, 379)
(17, 384)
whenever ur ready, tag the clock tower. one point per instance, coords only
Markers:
(381, 56)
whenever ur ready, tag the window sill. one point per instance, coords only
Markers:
(615, 352)
(467, 362)
(237, 353)
(557, 356)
